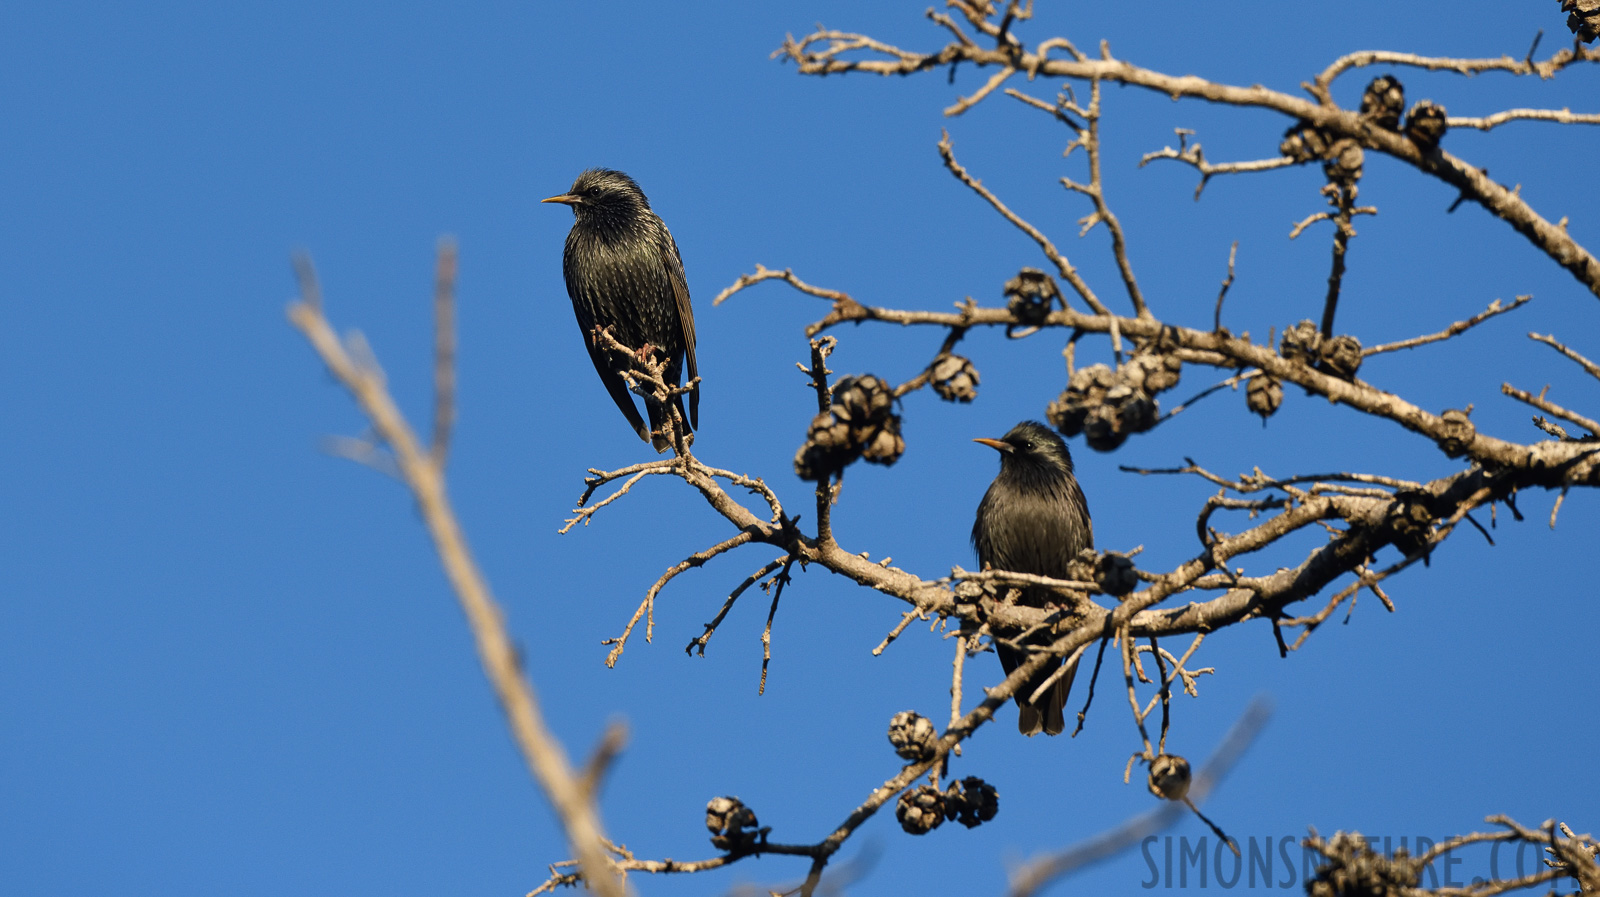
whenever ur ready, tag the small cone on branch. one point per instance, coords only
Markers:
(1425, 125)
(920, 810)
(955, 379)
(731, 823)
(1264, 395)
(1383, 101)
(1458, 432)
(1341, 355)
(912, 735)
(1302, 343)
(971, 801)
(1032, 295)
(1303, 142)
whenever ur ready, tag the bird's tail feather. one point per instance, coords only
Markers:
(1048, 714)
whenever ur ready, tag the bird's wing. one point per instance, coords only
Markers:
(680, 293)
(608, 374)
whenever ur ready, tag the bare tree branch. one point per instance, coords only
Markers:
(424, 477)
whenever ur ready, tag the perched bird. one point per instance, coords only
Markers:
(1033, 520)
(623, 271)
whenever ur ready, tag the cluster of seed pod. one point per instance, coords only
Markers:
(1107, 406)
(860, 423)
(1381, 105)
(1351, 868)
(970, 801)
(1339, 355)
(1410, 522)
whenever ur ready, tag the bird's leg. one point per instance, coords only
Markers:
(644, 352)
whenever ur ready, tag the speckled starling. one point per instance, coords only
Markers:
(623, 271)
(1033, 520)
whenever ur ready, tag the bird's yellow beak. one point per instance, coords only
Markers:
(995, 444)
(570, 199)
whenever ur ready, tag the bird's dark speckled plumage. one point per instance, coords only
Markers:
(1033, 519)
(623, 271)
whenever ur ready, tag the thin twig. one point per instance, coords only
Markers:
(1549, 407)
(699, 643)
(1125, 642)
(1495, 308)
(778, 582)
(647, 606)
(1550, 340)
(1561, 116)
(1063, 267)
(964, 103)
(1216, 321)
(1195, 156)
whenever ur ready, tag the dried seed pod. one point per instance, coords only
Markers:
(1084, 392)
(1107, 406)
(1154, 373)
(1304, 142)
(864, 401)
(731, 823)
(1114, 574)
(1343, 163)
(1033, 293)
(1583, 17)
(1410, 523)
(920, 810)
(1458, 433)
(860, 421)
(954, 378)
(912, 735)
(1425, 125)
(971, 801)
(886, 445)
(1302, 343)
(1169, 777)
(827, 449)
(1263, 395)
(1101, 429)
(1383, 101)
(1351, 868)
(1341, 356)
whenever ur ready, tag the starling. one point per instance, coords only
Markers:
(623, 271)
(1033, 520)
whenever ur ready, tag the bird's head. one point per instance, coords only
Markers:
(1031, 447)
(601, 197)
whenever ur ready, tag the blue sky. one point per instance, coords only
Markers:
(229, 661)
